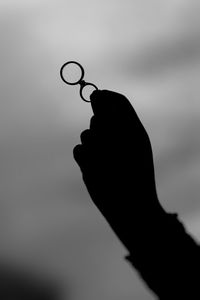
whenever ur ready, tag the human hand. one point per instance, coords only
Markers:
(116, 161)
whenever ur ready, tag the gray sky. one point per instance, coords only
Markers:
(147, 50)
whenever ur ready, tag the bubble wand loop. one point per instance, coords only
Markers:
(82, 82)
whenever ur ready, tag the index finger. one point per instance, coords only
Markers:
(107, 103)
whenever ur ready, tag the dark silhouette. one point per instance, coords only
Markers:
(116, 161)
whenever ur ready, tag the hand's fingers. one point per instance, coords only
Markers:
(78, 153)
(90, 139)
(86, 137)
(96, 124)
(83, 157)
(104, 101)
(110, 105)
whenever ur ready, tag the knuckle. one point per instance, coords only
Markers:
(85, 135)
(77, 151)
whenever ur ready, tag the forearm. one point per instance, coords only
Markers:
(166, 258)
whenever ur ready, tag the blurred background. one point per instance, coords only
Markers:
(148, 50)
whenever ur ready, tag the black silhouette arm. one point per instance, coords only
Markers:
(167, 258)
(115, 157)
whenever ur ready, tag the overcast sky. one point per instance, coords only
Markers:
(147, 50)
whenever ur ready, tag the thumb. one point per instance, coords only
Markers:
(107, 103)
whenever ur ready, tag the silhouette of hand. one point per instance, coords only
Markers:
(116, 161)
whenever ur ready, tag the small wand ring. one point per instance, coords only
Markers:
(82, 82)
